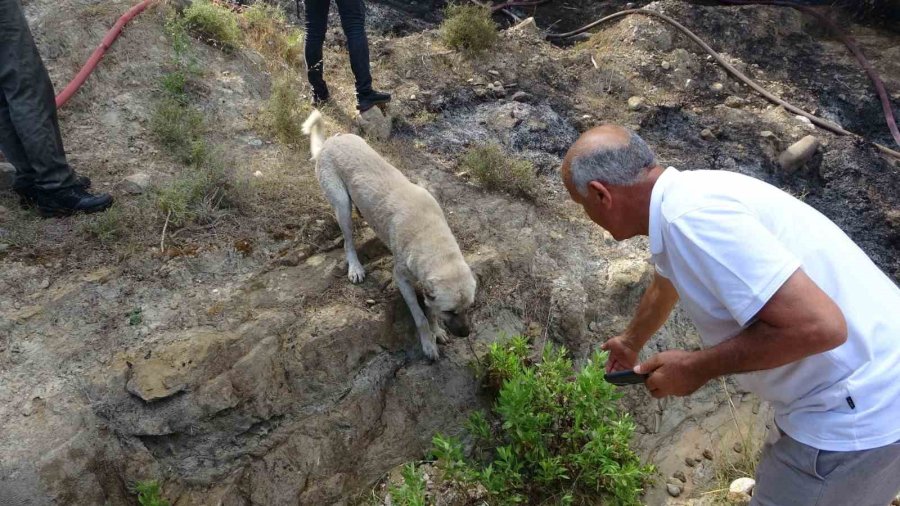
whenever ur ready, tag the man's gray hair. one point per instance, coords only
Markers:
(620, 166)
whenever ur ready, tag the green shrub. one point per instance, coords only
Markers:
(554, 436)
(412, 491)
(285, 111)
(179, 128)
(267, 29)
(198, 194)
(107, 226)
(149, 494)
(468, 28)
(496, 170)
(214, 24)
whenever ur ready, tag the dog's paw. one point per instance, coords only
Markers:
(356, 273)
(440, 335)
(429, 347)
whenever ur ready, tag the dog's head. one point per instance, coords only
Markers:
(449, 294)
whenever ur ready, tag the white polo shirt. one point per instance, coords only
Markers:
(728, 242)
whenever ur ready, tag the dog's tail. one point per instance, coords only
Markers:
(314, 129)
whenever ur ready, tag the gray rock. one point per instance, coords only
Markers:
(690, 462)
(740, 490)
(135, 184)
(665, 65)
(734, 101)
(673, 490)
(635, 103)
(738, 447)
(7, 175)
(798, 153)
(256, 143)
(522, 96)
(717, 87)
(527, 28)
(374, 123)
(707, 454)
(707, 134)
(679, 475)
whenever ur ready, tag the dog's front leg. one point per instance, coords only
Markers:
(423, 327)
(434, 320)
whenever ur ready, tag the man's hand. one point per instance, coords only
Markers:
(672, 372)
(623, 354)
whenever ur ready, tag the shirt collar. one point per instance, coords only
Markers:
(656, 198)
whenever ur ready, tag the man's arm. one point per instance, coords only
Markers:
(652, 312)
(799, 320)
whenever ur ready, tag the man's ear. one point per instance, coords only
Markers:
(601, 192)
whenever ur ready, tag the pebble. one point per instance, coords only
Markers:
(370, 302)
(258, 173)
(256, 143)
(135, 184)
(635, 103)
(717, 87)
(522, 96)
(45, 283)
(665, 65)
(798, 153)
(673, 490)
(679, 475)
(707, 134)
(740, 490)
(690, 462)
(734, 101)
(766, 134)
(738, 447)
(707, 454)
(494, 73)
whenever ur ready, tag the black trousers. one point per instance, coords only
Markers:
(29, 129)
(353, 21)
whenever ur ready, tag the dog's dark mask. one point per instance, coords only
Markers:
(458, 324)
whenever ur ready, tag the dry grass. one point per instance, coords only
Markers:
(469, 28)
(266, 30)
(494, 169)
(285, 112)
(214, 24)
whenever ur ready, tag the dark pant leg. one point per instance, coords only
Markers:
(316, 26)
(13, 149)
(353, 21)
(30, 105)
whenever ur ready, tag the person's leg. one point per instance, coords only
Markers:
(797, 474)
(30, 104)
(353, 21)
(12, 148)
(316, 26)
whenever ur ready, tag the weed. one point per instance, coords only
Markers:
(412, 491)
(107, 226)
(554, 435)
(149, 494)
(743, 465)
(135, 316)
(174, 85)
(198, 194)
(496, 170)
(179, 128)
(267, 30)
(285, 112)
(214, 24)
(468, 28)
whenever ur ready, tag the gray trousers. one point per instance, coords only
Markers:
(29, 130)
(794, 474)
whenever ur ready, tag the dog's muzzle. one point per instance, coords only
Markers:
(458, 325)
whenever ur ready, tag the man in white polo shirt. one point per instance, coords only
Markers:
(781, 298)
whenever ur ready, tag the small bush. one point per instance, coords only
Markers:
(214, 24)
(179, 128)
(469, 28)
(285, 111)
(268, 31)
(199, 194)
(149, 494)
(555, 436)
(412, 491)
(107, 226)
(496, 170)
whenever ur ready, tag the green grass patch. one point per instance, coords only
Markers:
(108, 226)
(285, 112)
(179, 128)
(554, 436)
(411, 490)
(214, 24)
(200, 193)
(267, 30)
(468, 28)
(149, 494)
(494, 169)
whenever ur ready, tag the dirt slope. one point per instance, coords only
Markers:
(257, 375)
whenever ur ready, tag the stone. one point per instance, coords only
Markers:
(370, 302)
(527, 28)
(7, 175)
(665, 65)
(798, 153)
(635, 103)
(45, 283)
(707, 134)
(707, 454)
(734, 101)
(690, 462)
(738, 447)
(673, 490)
(522, 96)
(679, 475)
(740, 490)
(374, 123)
(256, 143)
(135, 184)
(717, 87)
(767, 134)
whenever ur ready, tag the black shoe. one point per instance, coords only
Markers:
(83, 182)
(64, 202)
(370, 99)
(320, 95)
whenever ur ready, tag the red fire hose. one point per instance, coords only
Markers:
(92, 62)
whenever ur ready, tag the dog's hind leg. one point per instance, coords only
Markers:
(340, 200)
(423, 326)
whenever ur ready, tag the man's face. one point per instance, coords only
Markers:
(599, 206)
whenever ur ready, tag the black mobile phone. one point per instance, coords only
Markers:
(627, 377)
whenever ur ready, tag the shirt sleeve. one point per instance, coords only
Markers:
(733, 255)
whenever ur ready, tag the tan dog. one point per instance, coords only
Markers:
(408, 220)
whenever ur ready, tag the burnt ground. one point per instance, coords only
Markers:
(256, 374)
